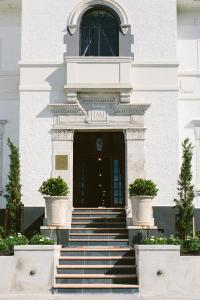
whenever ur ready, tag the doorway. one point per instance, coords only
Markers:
(99, 169)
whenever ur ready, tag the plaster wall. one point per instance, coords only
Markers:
(161, 143)
(10, 39)
(35, 145)
(43, 79)
(189, 82)
(10, 48)
(17, 279)
(147, 28)
(166, 258)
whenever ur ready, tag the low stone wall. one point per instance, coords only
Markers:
(164, 273)
(30, 271)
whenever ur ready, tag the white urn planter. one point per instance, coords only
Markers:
(58, 210)
(142, 211)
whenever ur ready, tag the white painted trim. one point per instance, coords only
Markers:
(157, 248)
(37, 63)
(188, 74)
(98, 59)
(37, 248)
(82, 7)
(189, 98)
(152, 88)
(2, 123)
(155, 64)
(9, 73)
(37, 88)
(197, 149)
(97, 86)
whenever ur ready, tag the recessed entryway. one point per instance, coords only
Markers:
(99, 169)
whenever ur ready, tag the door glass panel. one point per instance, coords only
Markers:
(98, 169)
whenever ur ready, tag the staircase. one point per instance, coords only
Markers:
(98, 258)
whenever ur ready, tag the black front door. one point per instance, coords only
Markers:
(98, 169)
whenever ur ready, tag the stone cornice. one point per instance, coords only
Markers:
(131, 109)
(66, 109)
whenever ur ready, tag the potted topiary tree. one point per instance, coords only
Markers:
(141, 192)
(55, 191)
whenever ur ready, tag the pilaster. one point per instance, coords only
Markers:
(63, 158)
(2, 123)
(134, 161)
(197, 135)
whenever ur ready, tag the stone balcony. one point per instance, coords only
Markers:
(98, 74)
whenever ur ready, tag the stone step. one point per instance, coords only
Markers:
(98, 214)
(96, 269)
(97, 251)
(98, 236)
(100, 225)
(97, 288)
(95, 209)
(96, 260)
(98, 243)
(99, 230)
(96, 278)
(99, 218)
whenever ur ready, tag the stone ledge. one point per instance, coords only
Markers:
(37, 247)
(140, 227)
(55, 227)
(157, 248)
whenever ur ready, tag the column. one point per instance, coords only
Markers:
(197, 148)
(2, 123)
(134, 161)
(63, 157)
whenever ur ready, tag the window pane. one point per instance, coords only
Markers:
(99, 34)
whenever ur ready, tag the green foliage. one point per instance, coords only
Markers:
(142, 187)
(1, 231)
(184, 203)
(39, 239)
(4, 249)
(54, 187)
(13, 191)
(14, 240)
(192, 246)
(169, 240)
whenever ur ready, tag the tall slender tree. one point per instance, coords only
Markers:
(184, 203)
(13, 190)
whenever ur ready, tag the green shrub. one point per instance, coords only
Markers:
(54, 187)
(1, 231)
(192, 246)
(169, 240)
(4, 249)
(39, 239)
(142, 187)
(15, 240)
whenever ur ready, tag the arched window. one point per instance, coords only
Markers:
(99, 33)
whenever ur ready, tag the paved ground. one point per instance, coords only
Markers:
(71, 297)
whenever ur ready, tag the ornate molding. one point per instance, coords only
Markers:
(130, 109)
(125, 28)
(81, 8)
(66, 109)
(134, 134)
(63, 135)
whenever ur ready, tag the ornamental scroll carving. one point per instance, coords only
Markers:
(135, 134)
(63, 135)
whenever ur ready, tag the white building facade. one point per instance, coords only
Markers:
(76, 92)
